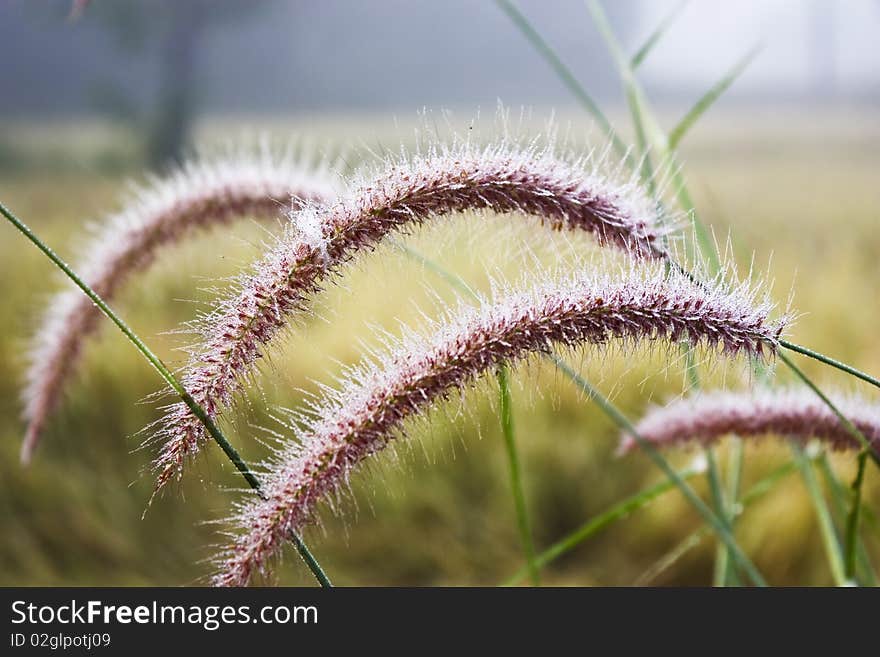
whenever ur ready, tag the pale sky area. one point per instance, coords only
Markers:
(710, 35)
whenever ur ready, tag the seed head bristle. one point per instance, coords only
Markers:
(369, 408)
(204, 193)
(500, 178)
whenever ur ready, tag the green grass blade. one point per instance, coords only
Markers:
(506, 417)
(852, 521)
(600, 522)
(655, 36)
(766, 484)
(734, 476)
(565, 75)
(833, 550)
(519, 499)
(672, 557)
(645, 127)
(717, 523)
(758, 490)
(451, 278)
(706, 101)
(723, 507)
(705, 249)
(838, 562)
(644, 123)
(827, 360)
(842, 494)
(839, 500)
(716, 488)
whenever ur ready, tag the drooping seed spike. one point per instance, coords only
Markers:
(362, 418)
(205, 193)
(501, 178)
(797, 414)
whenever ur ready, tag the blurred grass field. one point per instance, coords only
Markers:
(801, 195)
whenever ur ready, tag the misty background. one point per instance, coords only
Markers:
(296, 56)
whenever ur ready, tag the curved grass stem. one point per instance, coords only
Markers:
(827, 360)
(165, 373)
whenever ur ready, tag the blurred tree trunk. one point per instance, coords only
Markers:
(174, 119)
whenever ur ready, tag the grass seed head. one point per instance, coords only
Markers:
(371, 404)
(408, 191)
(204, 193)
(798, 414)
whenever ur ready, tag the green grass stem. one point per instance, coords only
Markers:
(166, 374)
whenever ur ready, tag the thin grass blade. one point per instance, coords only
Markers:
(600, 522)
(516, 484)
(706, 101)
(655, 36)
(565, 75)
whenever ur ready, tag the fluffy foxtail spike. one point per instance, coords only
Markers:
(500, 178)
(370, 408)
(200, 195)
(793, 413)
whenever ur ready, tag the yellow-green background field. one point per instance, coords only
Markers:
(800, 193)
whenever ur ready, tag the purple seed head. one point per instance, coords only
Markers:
(792, 413)
(502, 178)
(371, 405)
(201, 195)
